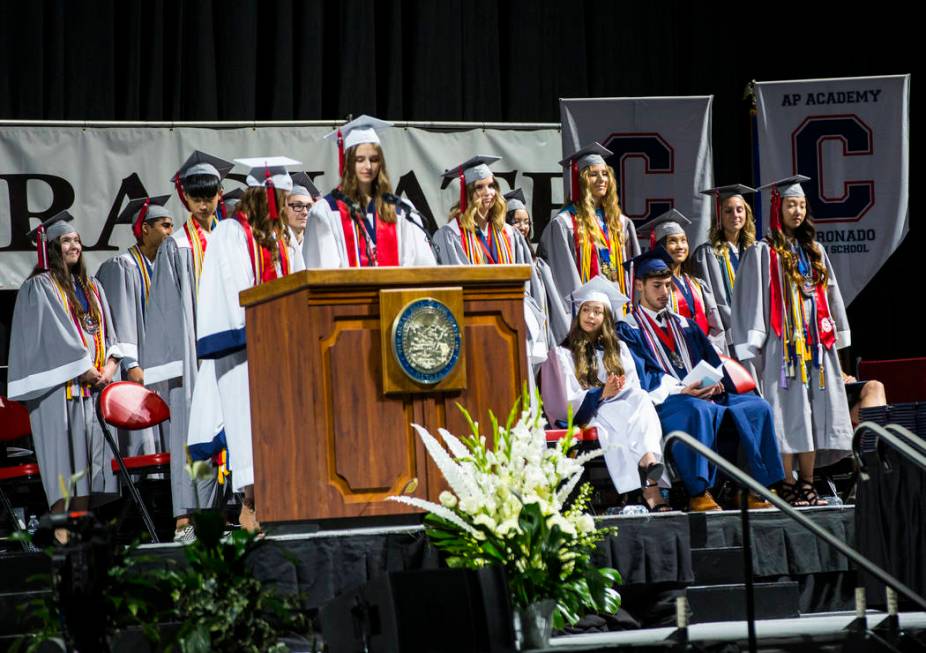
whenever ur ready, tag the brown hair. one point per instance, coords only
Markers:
(585, 206)
(266, 231)
(805, 234)
(747, 235)
(583, 347)
(350, 185)
(468, 217)
(65, 277)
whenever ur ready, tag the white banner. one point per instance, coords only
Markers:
(851, 137)
(662, 152)
(94, 171)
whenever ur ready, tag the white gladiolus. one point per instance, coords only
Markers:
(448, 499)
(585, 523)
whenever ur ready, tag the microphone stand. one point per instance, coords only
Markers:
(356, 215)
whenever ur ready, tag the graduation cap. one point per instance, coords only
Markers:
(302, 185)
(356, 132)
(655, 260)
(722, 193)
(598, 289)
(669, 223)
(589, 155)
(141, 210)
(515, 200)
(51, 229)
(231, 199)
(200, 163)
(269, 172)
(787, 187)
(469, 171)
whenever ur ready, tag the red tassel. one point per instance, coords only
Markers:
(222, 208)
(340, 154)
(140, 220)
(462, 190)
(271, 196)
(574, 175)
(41, 247)
(179, 187)
(652, 239)
(775, 217)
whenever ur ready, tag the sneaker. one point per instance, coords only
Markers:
(185, 534)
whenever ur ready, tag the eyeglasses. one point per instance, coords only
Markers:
(299, 206)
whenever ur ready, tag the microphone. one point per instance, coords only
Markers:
(409, 211)
(357, 216)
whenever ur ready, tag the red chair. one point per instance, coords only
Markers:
(14, 425)
(904, 379)
(742, 379)
(130, 406)
(587, 436)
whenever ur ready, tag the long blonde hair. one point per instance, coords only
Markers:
(266, 231)
(468, 217)
(585, 206)
(747, 235)
(583, 347)
(350, 185)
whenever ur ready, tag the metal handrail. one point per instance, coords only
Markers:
(912, 438)
(898, 441)
(747, 481)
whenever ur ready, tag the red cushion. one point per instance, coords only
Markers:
(19, 471)
(589, 434)
(742, 379)
(904, 379)
(14, 420)
(130, 406)
(143, 462)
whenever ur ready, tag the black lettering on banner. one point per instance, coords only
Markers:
(408, 185)
(856, 137)
(131, 188)
(541, 199)
(659, 159)
(62, 198)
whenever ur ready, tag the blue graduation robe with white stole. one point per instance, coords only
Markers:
(231, 266)
(750, 415)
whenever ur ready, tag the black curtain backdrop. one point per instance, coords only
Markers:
(478, 60)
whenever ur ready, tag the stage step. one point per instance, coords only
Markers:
(710, 603)
(718, 565)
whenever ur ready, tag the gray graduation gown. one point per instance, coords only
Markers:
(807, 418)
(46, 355)
(123, 281)
(708, 266)
(557, 244)
(169, 355)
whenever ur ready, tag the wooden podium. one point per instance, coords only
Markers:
(328, 441)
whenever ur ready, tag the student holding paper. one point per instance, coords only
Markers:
(667, 348)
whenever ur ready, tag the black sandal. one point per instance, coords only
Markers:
(809, 494)
(652, 472)
(790, 493)
(664, 506)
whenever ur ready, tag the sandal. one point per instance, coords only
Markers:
(789, 492)
(651, 472)
(809, 494)
(662, 506)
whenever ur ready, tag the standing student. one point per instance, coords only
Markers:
(126, 278)
(250, 248)
(361, 223)
(691, 297)
(789, 316)
(63, 351)
(594, 373)
(591, 235)
(298, 204)
(169, 352)
(667, 347)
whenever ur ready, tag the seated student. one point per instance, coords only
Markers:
(594, 373)
(690, 297)
(667, 347)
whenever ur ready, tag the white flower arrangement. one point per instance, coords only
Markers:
(507, 505)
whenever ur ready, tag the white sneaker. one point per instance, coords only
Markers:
(185, 534)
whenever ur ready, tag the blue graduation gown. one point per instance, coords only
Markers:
(748, 414)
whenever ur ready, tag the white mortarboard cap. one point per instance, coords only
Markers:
(272, 166)
(601, 290)
(359, 130)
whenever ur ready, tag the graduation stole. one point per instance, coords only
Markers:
(587, 255)
(680, 303)
(144, 272)
(198, 241)
(729, 262)
(94, 307)
(384, 241)
(261, 258)
(478, 250)
(671, 336)
(798, 330)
